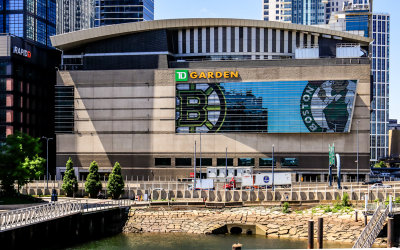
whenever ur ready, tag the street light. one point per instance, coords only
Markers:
(47, 159)
(273, 186)
(358, 122)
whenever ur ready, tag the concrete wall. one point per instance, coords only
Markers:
(394, 143)
(129, 116)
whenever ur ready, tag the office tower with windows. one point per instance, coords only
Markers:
(333, 6)
(380, 91)
(73, 15)
(34, 20)
(108, 12)
(308, 12)
(28, 67)
(277, 10)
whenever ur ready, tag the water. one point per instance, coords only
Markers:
(153, 241)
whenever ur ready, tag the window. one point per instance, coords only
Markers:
(246, 162)
(41, 32)
(204, 161)
(162, 161)
(221, 162)
(266, 162)
(64, 109)
(15, 4)
(183, 162)
(289, 162)
(15, 24)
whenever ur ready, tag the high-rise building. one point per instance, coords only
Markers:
(123, 11)
(278, 10)
(73, 15)
(34, 20)
(380, 93)
(333, 6)
(308, 12)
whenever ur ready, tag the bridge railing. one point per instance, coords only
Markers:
(91, 207)
(31, 215)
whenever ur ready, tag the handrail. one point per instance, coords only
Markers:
(31, 215)
(374, 226)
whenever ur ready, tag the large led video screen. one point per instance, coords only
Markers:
(265, 107)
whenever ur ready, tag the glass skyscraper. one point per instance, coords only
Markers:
(380, 92)
(308, 12)
(74, 15)
(109, 12)
(34, 20)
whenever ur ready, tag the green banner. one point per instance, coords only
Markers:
(332, 155)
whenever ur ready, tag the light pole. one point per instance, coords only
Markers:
(194, 183)
(358, 122)
(47, 159)
(200, 163)
(273, 187)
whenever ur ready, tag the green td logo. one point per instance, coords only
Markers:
(181, 75)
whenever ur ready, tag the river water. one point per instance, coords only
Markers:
(153, 241)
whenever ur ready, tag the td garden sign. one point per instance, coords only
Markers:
(185, 75)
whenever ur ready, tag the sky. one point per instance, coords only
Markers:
(252, 9)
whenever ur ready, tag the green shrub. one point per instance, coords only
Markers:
(93, 184)
(115, 183)
(397, 200)
(70, 184)
(285, 208)
(327, 209)
(345, 200)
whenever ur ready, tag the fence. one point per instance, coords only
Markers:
(36, 214)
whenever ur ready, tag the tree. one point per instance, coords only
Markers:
(70, 184)
(20, 161)
(381, 164)
(93, 184)
(115, 183)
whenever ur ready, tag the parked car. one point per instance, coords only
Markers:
(372, 182)
(380, 185)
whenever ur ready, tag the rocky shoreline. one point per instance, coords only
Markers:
(338, 227)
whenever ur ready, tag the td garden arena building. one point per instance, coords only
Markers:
(143, 93)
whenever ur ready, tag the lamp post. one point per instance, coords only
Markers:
(273, 186)
(358, 122)
(47, 160)
(200, 162)
(194, 183)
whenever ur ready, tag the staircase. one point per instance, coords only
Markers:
(374, 226)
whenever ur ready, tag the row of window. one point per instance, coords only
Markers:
(221, 162)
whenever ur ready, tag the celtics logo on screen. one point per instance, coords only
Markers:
(200, 108)
(326, 106)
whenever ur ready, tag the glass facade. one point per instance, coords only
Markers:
(308, 12)
(31, 19)
(74, 15)
(108, 12)
(380, 49)
(265, 107)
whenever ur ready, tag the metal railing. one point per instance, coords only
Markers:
(374, 226)
(93, 207)
(36, 214)
(31, 215)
